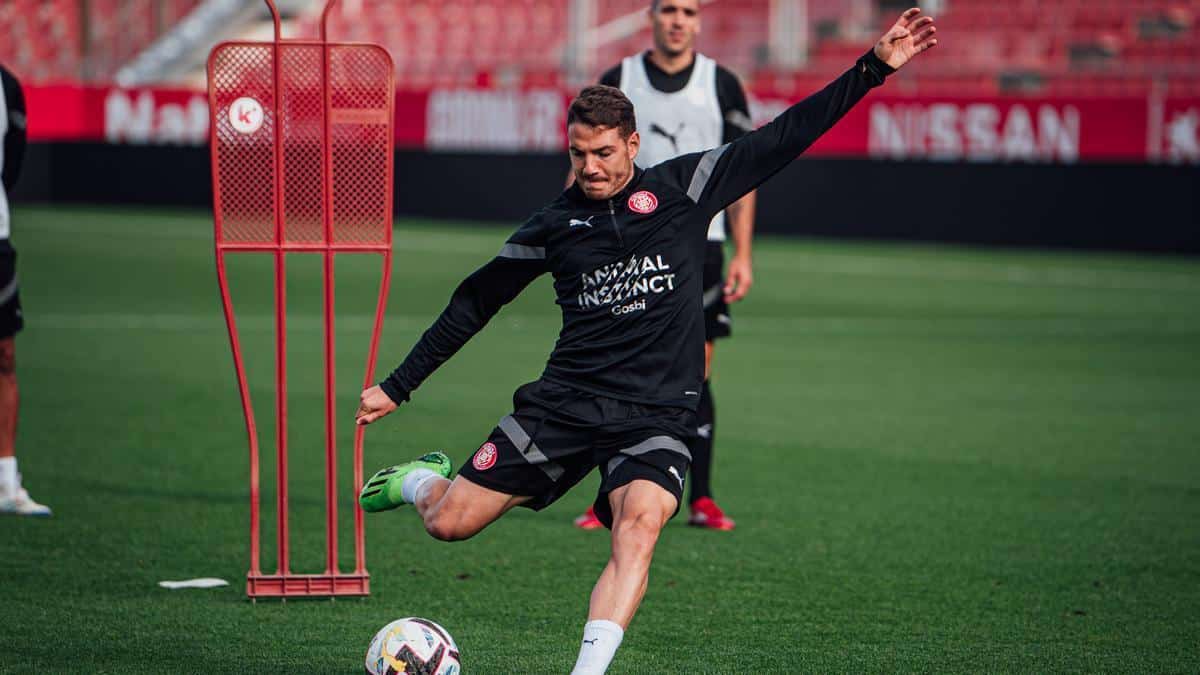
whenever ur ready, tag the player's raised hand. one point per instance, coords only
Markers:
(375, 404)
(911, 35)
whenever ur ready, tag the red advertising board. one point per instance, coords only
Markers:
(993, 130)
(1055, 130)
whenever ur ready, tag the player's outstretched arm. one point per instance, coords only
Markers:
(474, 303)
(719, 177)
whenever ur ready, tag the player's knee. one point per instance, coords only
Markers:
(635, 534)
(448, 526)
(443, 529)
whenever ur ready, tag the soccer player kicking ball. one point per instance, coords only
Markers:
(626, 249)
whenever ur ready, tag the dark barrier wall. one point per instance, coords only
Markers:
(1119, 207)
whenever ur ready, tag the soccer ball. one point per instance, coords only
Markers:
(413, 646)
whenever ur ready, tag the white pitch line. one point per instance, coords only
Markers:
(883, 267)
(969, 325)
(423, 242)
(264, 323)
(1078, 277)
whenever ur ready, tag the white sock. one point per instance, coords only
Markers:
(411, 485)
(10, 480)
(600, 641)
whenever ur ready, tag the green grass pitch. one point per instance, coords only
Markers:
(940, 460)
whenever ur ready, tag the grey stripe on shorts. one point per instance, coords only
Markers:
(712, 295)
(528, 449)
(8, 291)
(650, 445)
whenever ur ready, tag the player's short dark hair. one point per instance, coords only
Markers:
(654, 5)
(603, 106)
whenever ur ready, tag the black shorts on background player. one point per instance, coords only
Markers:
(11, 159)
(717, 321)
(557, 435)
(11, 320)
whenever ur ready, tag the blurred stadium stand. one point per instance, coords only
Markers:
(1075, 47)
(81, 40)
(1036, 120)
(1036, 47)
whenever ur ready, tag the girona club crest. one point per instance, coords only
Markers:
(485, 457)
(643, 202)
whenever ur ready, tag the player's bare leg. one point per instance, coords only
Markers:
(459, 509)
(13, 497)
(640, 510)
(451, 510)
(9, 397)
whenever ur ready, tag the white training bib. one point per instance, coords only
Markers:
(678, 123)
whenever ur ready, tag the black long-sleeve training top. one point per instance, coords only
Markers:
(627, 270)
(14, 129)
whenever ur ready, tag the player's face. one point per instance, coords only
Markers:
(676, 24)
(601, 159)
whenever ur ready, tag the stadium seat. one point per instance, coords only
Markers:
(45, 40)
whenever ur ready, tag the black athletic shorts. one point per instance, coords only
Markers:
(717, 323)
(11, 321)
(557, 435)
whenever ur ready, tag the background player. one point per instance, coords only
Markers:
(686, 102)
(625, 247)
(13, 497)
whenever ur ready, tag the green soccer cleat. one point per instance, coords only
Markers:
(382, 491)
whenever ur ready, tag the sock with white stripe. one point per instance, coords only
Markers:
(600, 641)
